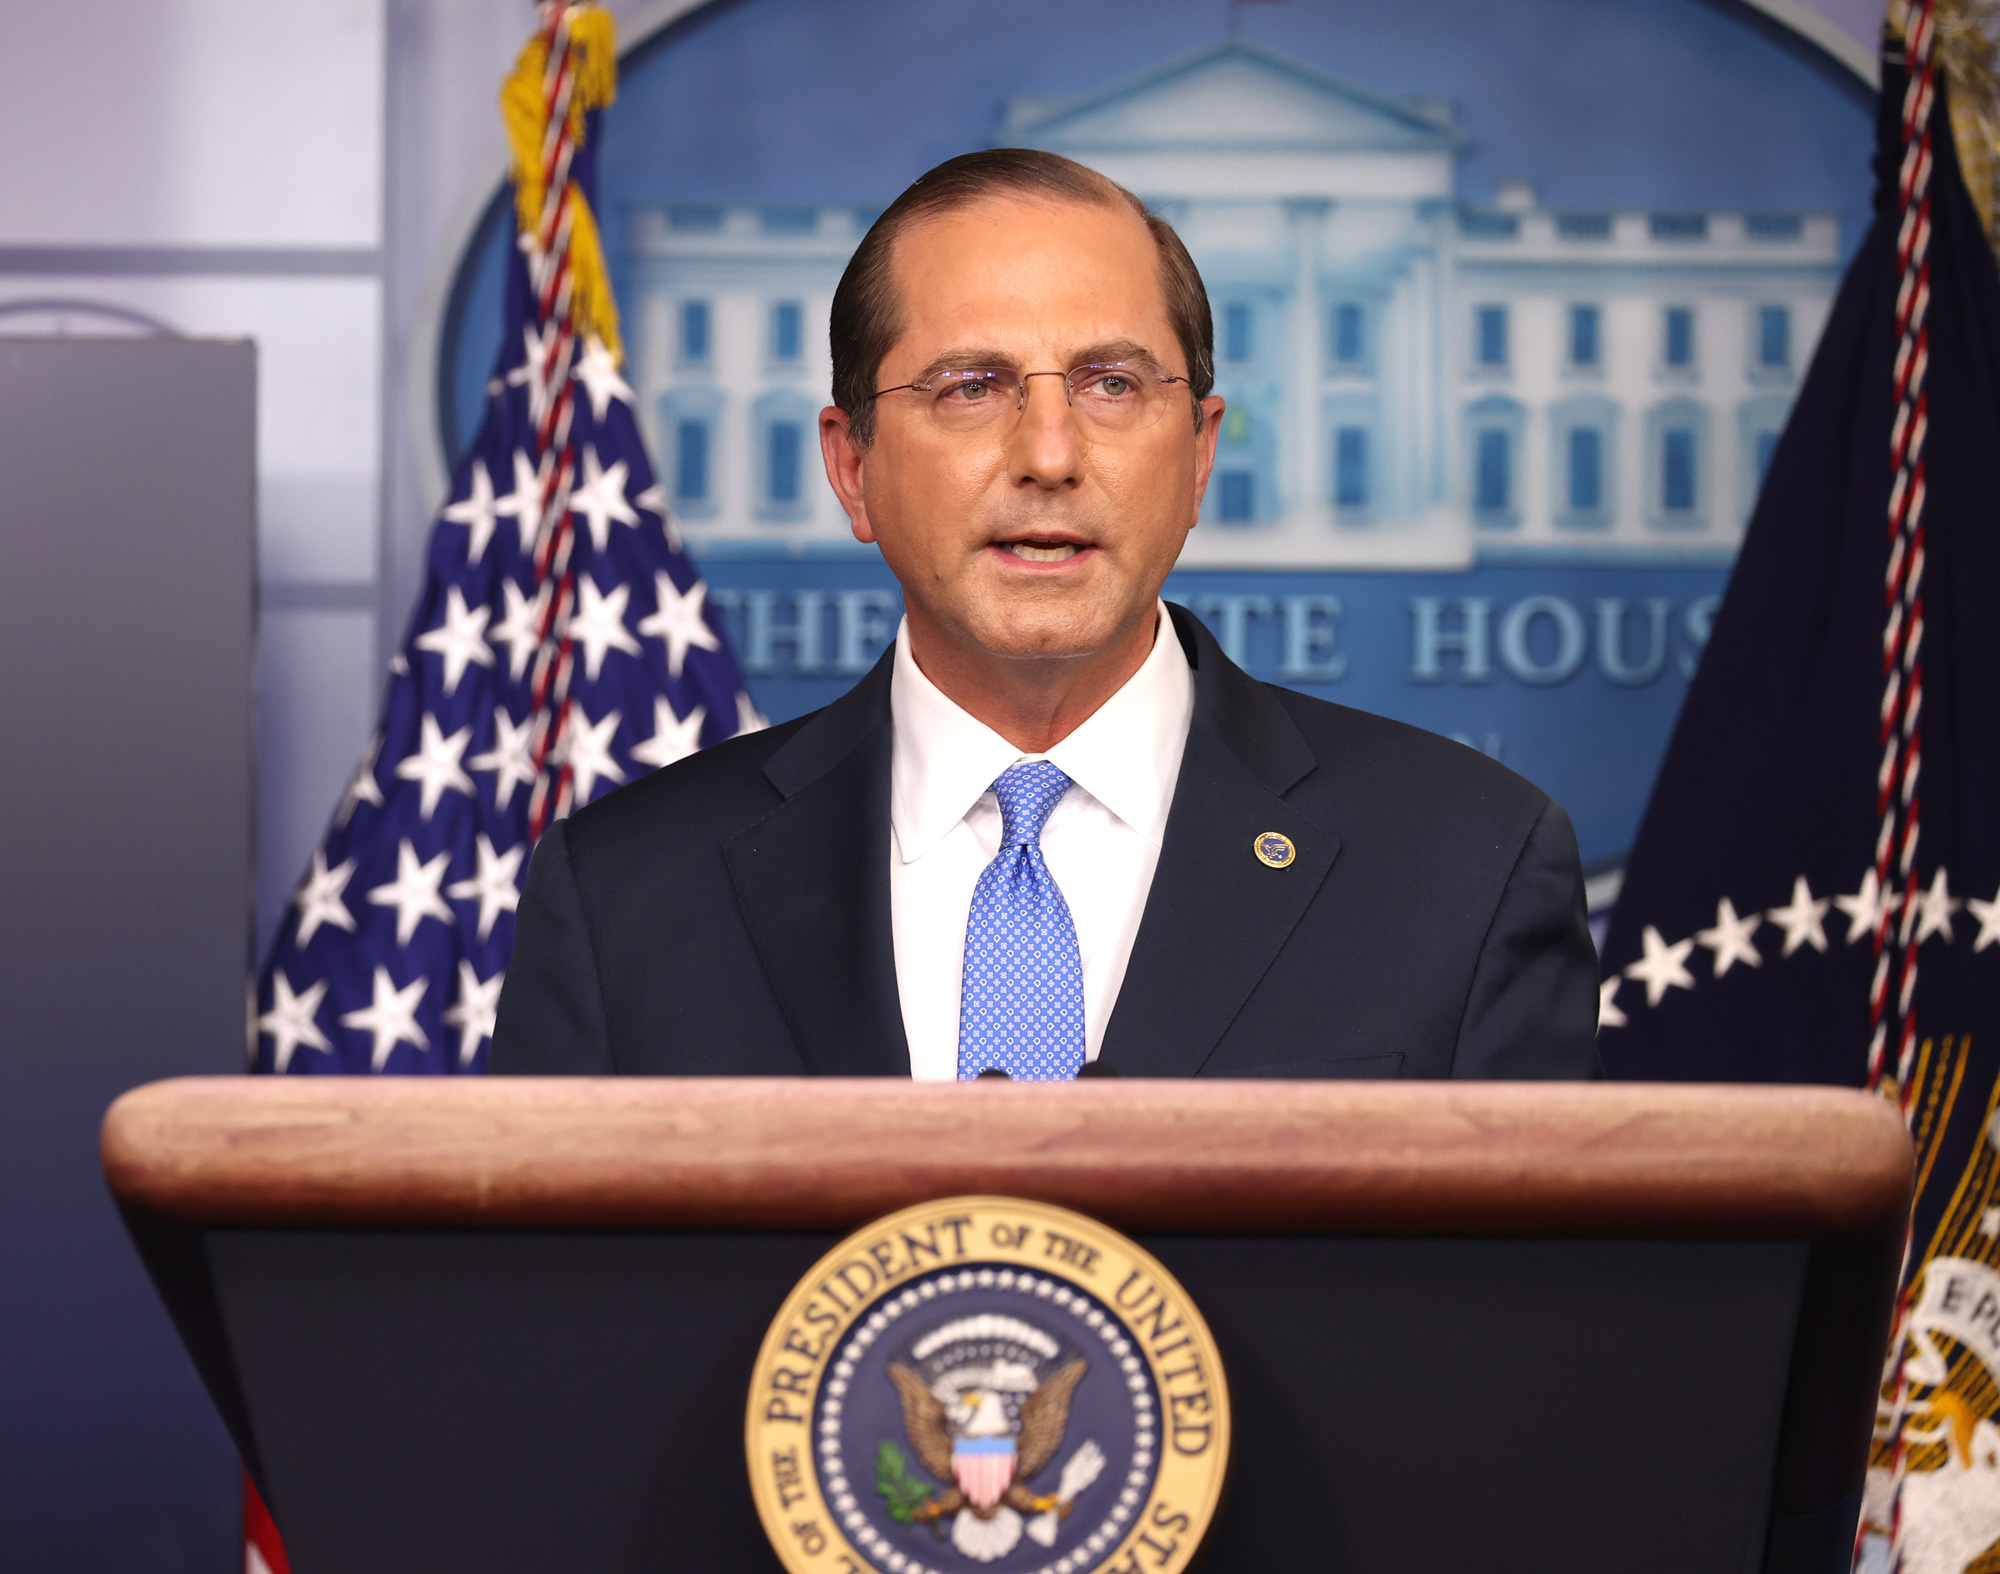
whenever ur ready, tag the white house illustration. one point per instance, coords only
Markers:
(1411, 382)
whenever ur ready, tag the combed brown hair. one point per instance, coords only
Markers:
(867, 317)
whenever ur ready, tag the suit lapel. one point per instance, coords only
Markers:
(1217, 917)
(812, 880)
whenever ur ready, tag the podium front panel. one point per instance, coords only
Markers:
(425, 1384)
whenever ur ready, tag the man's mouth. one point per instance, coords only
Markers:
(1040, 551)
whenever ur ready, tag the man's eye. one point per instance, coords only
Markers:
(969, 390)
(1115, 387)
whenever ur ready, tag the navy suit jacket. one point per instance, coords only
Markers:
(730, 913)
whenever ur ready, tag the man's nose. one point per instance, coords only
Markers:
(1045, 438)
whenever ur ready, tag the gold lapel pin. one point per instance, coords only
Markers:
(1274, 850)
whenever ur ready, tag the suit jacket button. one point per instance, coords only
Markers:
(1274, 849)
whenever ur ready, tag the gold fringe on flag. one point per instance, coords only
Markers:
(594, 54)
(1970, 59)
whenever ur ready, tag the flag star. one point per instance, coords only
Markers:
(1608, 1014)
(533, 370)
(1663, 967)
(1935, 909)
(511, 759)
(1730, 938)
(319, 899)
(521, 629)
(414, 892)
(601, 498)
(599, 625)
(672, 739)
(654, 501)
(460, 639)
(748, 718)
(598, 372)
(476, 511)
(679, 622)
(587, 752)
(1867, 907)
(477, 1010)
(1804, 921)
(435, 764)
(496, 887)
(391, 1016)
(524, 503)
(1988, 914)
(364, 788)
(290, 1020)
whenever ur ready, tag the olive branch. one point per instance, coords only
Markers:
(901, 1491)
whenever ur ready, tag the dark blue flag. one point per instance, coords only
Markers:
(563, 644)
(1815, 891)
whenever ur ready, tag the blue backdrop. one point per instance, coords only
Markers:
(1511, 302)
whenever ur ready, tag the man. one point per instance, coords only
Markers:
(1055, 826)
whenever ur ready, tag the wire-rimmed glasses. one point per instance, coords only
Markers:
(1115, 396)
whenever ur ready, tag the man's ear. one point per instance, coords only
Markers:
(1204, 449)
(845, 460)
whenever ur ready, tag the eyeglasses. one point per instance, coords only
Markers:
(1123, 396)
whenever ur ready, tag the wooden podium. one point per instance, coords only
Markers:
(506, 1324)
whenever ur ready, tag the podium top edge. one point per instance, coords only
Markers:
(825, 1153)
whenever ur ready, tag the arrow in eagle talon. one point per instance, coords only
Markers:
(1082, 1468)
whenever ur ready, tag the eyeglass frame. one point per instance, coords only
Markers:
(1021, 401)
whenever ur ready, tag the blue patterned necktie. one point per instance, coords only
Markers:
(1021, 1011)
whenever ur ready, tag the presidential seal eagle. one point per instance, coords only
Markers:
(969, 1442)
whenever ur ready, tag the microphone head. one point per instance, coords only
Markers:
(992, 1071)
(1097, 1068)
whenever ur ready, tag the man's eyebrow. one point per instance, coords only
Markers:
(1115, 350)
(977, 360)
(973, 360)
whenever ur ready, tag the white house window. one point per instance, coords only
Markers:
(690, 461)
(1349, 337)
(1677, 461)
(785, 440)
(781, 421)
(1493, 484)
(1585, 350)
(689, 419)
(1494, 427)
(1585, 495)
(695, 334)
(1350, 467)
(787, 331)
(1490, 337)
(1774, 338)
(1236, 337)
(1238, 502)
(1586, 470)
(1677, 348)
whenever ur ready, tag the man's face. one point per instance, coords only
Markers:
(1042, 535)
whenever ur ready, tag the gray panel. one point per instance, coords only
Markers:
(127, 523)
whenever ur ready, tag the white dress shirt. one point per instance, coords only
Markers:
(1102, 841)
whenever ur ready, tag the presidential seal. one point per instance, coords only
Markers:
(985, 1384)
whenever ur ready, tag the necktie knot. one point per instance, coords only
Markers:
(1028, 794)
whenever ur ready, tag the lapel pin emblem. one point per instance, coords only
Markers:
(1275, 850)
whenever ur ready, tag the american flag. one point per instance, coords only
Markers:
(563, 644)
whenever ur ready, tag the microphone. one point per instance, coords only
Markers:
(992, 1071)
(1096, 1068)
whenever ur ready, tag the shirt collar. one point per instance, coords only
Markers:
(1126, 755)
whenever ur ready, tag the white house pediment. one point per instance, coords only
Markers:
(1233, 97)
